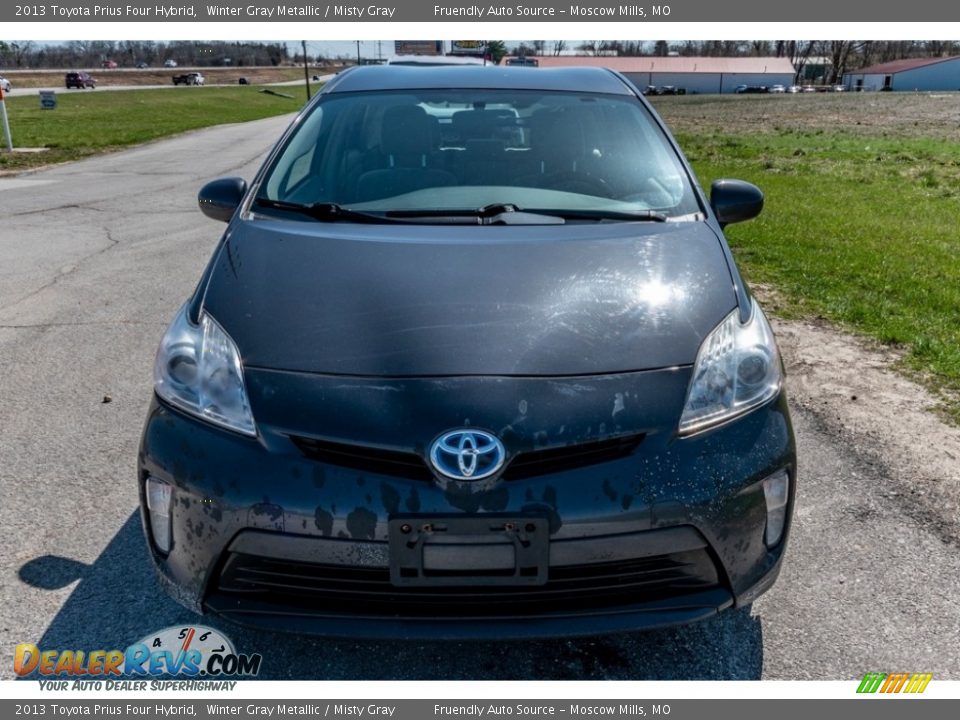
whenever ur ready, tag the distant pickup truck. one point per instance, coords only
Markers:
(190, 78)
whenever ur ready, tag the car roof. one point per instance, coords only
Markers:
(400, 77)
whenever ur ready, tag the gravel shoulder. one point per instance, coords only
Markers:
(887, 420)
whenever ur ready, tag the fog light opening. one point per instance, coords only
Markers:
(776, 491)
(159, 495)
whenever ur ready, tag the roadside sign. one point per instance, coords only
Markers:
(418, 47)
(48, 100)
(468, 47)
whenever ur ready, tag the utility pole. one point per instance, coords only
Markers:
(5, 122)
(306, 70)
(358, 52)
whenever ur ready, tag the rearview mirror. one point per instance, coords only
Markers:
(219, 199)
(735, 201)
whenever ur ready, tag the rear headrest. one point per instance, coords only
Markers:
(407, 130)
(478, 124)
(557, 135)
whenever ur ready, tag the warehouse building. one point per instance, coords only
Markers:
(694, 74)
(913, 74)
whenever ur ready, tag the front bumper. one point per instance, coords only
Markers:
(266, 532)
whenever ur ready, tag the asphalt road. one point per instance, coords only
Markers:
(95, 257)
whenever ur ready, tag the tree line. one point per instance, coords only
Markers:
(130, 53)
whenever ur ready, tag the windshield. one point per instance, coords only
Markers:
(438, 150)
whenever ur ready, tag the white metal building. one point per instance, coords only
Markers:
(913, 74)
(694, 74)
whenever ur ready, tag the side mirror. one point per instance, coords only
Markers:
(219, 199)
(735, 201)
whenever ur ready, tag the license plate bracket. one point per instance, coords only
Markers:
(455, 550)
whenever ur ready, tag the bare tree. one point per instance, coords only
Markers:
(559, 46)
(840, 53)
(798, 51)
(631, 48)
(18, 51)
(524, 50)
(941, 48)
(590, 47)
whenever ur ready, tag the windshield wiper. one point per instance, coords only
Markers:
(492, 214)
(485, 212)
(587, 214)
(510, 214)
(330, 212)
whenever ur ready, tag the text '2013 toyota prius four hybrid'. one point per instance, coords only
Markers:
(472, 359)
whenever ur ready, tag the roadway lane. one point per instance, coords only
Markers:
(96, 256)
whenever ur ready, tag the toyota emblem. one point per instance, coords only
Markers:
(467, 454)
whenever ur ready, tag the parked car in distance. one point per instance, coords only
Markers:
(170, 63)
(751, 89)
(80, 80)
(778, 89)
(108, 64)
(5, 84)
(808, 89)
(142, 65)
(243, 81)
(556, 410)
(190, 78)
(838, 88)
(794, 89)
(664, 90)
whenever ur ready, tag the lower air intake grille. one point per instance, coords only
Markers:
(248, 580)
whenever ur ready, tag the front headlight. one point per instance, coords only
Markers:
(198, 370)
(737, 369)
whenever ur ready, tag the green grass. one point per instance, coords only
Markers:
(863, 231)
(90, 122)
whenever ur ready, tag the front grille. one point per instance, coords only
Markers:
(247, 581)
(411, 466)
(544, 462)
(395, 463)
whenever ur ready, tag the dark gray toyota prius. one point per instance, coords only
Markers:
(472, 359)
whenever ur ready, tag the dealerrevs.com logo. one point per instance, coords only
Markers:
(887, 683)
(193, 651)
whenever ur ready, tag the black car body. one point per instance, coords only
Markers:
(79, 80)
(399, 405)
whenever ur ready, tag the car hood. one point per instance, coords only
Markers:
(405, 300)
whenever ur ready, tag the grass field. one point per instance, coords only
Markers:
(161, 76)
(89, 122)
(862, 217)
